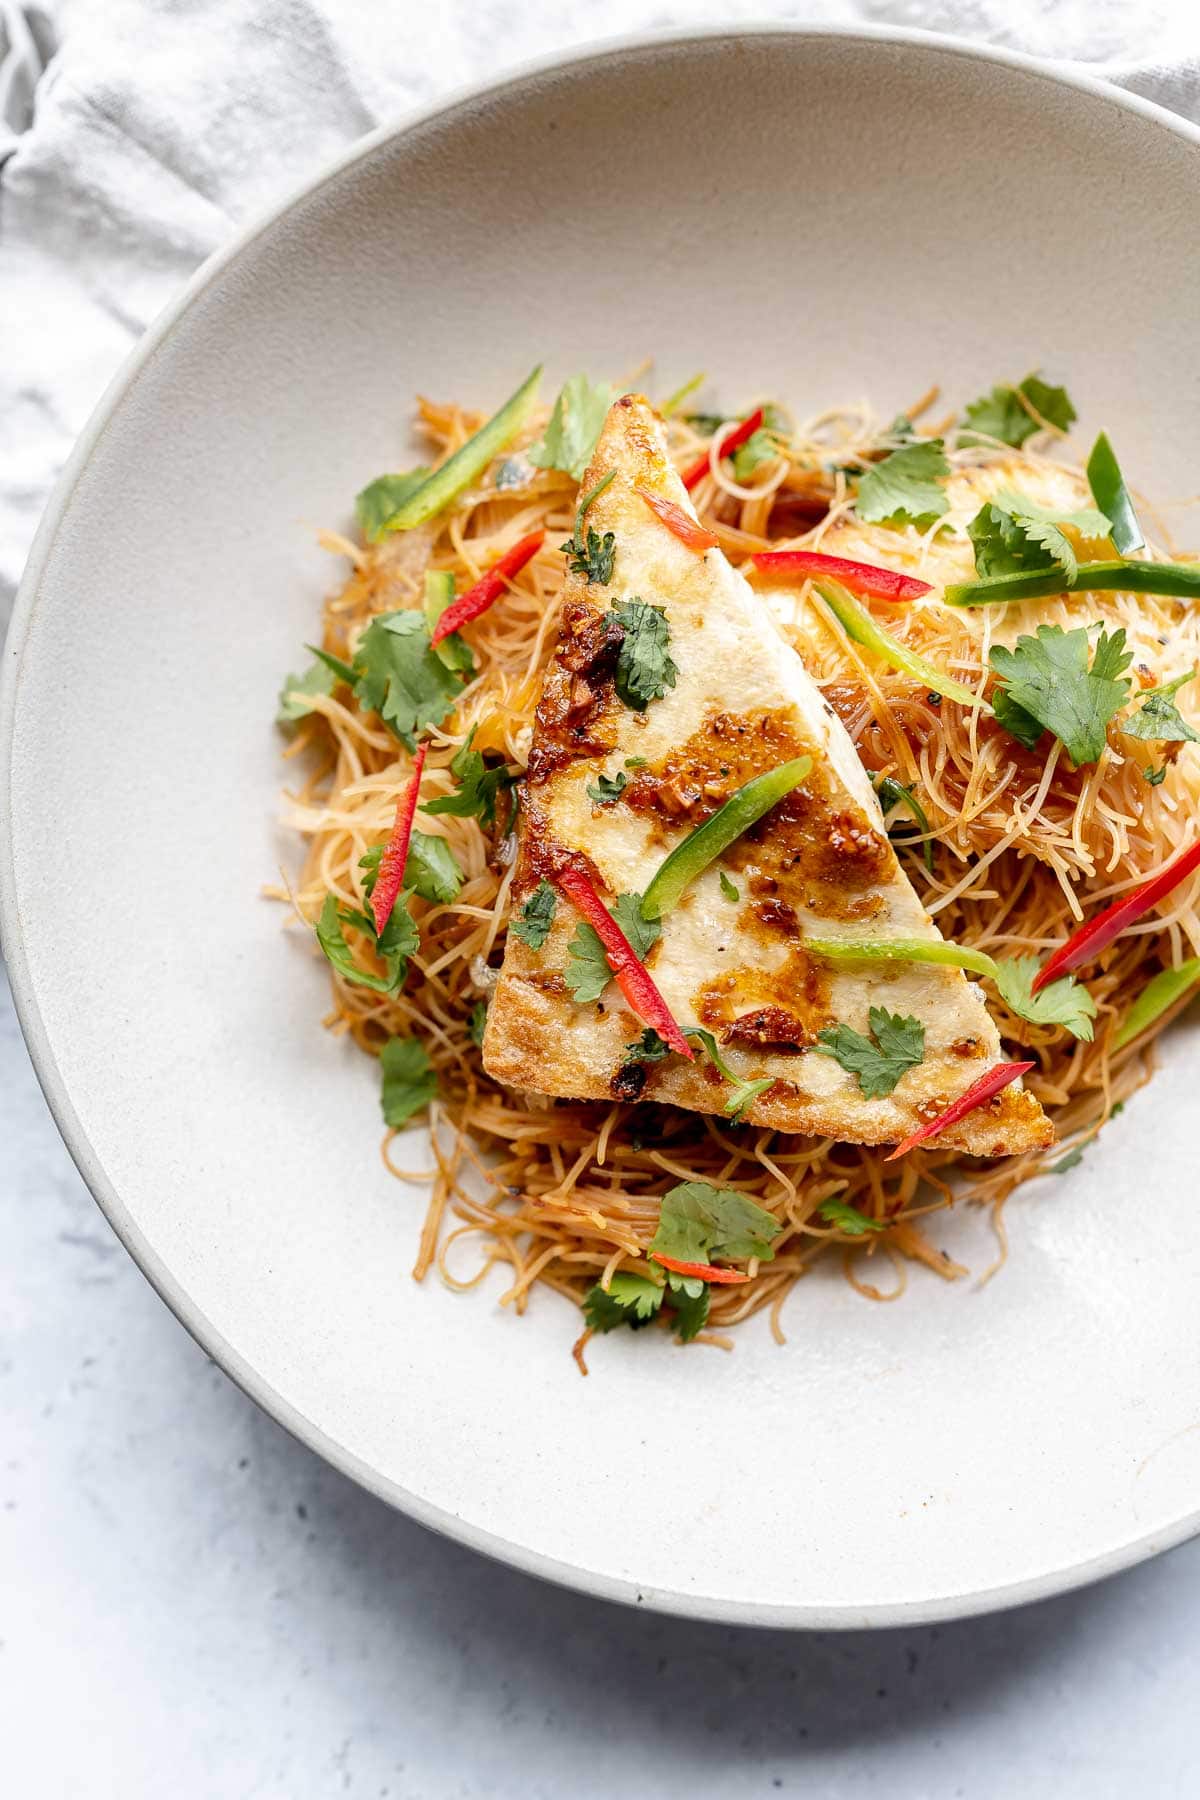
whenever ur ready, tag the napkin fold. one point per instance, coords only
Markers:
(135, 135)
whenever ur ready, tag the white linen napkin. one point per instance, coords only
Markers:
(136, 134)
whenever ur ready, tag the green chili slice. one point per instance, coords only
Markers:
(1137, 577)
(1159, 993)
(859, 626)
(917, 950)
(702, 846)
(1113, 497)
(470, 460)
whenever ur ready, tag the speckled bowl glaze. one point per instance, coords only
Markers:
(821, 214)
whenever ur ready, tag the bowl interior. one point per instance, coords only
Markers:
(815, 215)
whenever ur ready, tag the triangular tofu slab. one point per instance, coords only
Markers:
(819, 864)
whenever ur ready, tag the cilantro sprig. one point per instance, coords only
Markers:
(1047, 684)
(1013, 413)
(699, 1222)
(532, 924)
(409, 1080)
(606, 788)
(398, 940)
(1013, 535)
(905, 488)
(574, 427)
(645, 667)
(1062, 1002)
(397, 675)
(479, 785)
(1159, 719)
(432, 870)
(849, 1219)
(587, 552)
(297, 690)
(895, 1044)
(744, 1093)
(588, 972)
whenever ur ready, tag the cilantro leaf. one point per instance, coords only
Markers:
(728, 888)
(532, 924)
(649, 1048)
(431, 870)
(699, 1221)
(904, 488)
(689, 1299)
(573, 427)
(1000, 414)
(394, 945)
(381, 498)
(318, 678)
(760, 447)
(745, 1093)
(641, 932)
(592, 557)
(847, 1218)
(1012, 534)
(1063, 1002)
(478, 786)
(1002, 545)
(895, 1045)
(1154, 776)
(1159, 718)
(401, 678)
(477, 1023)
(1048, 684)
(587, 972)
(628, 1300)
(409, 1079)
(645, 670)
(606, 789)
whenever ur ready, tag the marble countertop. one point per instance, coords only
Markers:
(190, 1600)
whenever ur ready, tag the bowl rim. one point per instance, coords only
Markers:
(964, 1604)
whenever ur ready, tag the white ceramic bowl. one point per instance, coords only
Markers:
(820, 214)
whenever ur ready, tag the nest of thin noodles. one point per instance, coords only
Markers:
(565, 1193)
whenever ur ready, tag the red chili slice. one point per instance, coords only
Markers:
(390, 878)
(702, 1271)
(695, 536)
(488, 588)
(734, 441)
(632, 977)
(979, 1091)
(1098, 933)
(860, 578)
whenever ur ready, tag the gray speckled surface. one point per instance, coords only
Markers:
(190, 1600)
(188, 1597)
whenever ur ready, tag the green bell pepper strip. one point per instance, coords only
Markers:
(1138, 577)
(470, 460)
(702, 846)
(861, 628)
(1113, 497)
(891, 793)
(918, 950)
(1159, 993)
